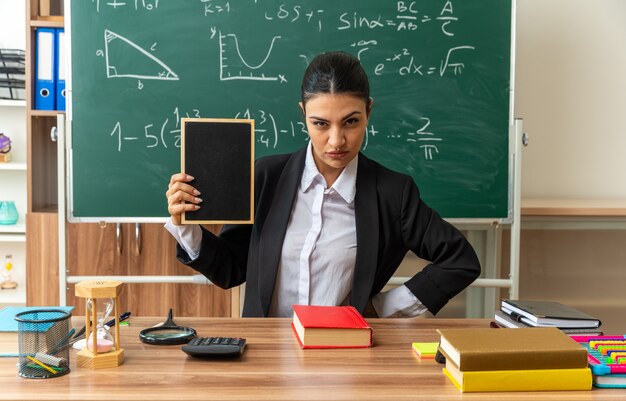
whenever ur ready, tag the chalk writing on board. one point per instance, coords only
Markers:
(139, 4)
(144, 64)
(404, 63)
(407, 18)
(426, 139)
(268, 132)
(154, 134)
(232, 59)
(211, 8)
(295, 13)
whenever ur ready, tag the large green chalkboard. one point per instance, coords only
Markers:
(439, 70)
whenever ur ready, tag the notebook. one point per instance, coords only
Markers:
(546, 313)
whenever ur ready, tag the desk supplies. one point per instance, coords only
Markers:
(606, 359)
(65, 342)
(44, 69)
(504, 320)
(122, 317)
(510, 349)
(168, 333)
(530, 359)
(519, 380)
(8, 327)
(425, 350)
(39, 331)
(60, 68)
(38, 362)
(211, 347)
(330, 327)
(102, 350)
(549, 314)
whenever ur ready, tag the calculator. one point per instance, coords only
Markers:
(208, 347)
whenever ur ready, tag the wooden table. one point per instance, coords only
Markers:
(273, 367)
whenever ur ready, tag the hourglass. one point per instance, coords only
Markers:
(102, 349)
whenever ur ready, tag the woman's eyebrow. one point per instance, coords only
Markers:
(343, 118)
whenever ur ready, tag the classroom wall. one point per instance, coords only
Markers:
(12, 24)
(571, 93)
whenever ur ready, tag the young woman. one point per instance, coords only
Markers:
(331, 226)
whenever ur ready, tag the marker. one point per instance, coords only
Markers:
(123, 317)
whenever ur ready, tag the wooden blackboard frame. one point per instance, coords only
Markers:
(217, 198)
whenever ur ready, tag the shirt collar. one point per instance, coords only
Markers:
(345, 185)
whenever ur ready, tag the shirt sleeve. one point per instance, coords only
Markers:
(399, 302)
(188, 236)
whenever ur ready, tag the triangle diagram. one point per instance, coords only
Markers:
(125, 59)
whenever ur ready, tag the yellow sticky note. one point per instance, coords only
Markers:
(425, 350)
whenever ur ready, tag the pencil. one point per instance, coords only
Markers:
(48, 368)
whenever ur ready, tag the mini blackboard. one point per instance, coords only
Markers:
(219, 154)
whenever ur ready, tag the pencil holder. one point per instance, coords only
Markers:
(44, 343)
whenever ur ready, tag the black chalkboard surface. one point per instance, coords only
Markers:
(440, 74)
(219, 154)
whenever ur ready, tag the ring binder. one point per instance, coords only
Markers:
(60, 68)
(44, 70)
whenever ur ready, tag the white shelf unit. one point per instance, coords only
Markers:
(12, 103)
(13, 166)
(13, 177)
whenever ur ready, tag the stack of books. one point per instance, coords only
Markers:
(523, 314)
(527, 359)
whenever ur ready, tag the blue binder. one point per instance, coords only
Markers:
(44, 69)
(60, 67)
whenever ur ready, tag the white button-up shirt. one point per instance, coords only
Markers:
(319, 250)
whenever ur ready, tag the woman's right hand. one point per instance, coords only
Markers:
(181, 197)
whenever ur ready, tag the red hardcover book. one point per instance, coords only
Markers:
(330, 327)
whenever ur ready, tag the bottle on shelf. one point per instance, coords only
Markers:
(7, 279)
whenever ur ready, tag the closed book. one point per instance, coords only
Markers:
(330, 327)
(547, 313)
(504, 320)
(476, 349)
(519, 380)
(610, 381)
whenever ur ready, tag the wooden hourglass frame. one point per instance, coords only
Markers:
(92, 291)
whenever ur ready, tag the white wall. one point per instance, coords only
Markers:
(571, 93)
(12, 24)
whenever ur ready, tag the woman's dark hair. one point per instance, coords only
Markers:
(334, 73)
